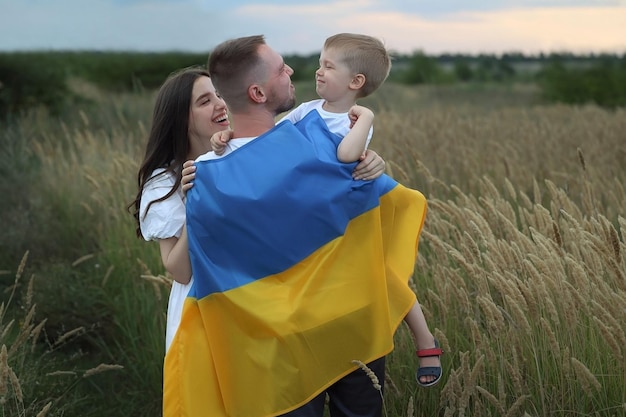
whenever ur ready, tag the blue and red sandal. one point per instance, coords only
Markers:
(429, 370)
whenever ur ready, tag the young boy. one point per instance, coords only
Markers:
(353, 66)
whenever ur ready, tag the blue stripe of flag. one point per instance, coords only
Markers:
(271, 203)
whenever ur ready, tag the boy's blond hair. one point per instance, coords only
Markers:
(363, 55)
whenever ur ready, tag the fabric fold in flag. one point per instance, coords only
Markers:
(298, 271)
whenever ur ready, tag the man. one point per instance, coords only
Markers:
(283, 306)
(254, 106)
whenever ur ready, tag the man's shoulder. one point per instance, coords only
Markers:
(232, 145)
(207, 156)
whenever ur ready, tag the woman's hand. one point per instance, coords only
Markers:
(189, 173)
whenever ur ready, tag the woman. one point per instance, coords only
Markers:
(187, 112)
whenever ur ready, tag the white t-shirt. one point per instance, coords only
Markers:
(163, 220)
(231, 145)
(338, 123)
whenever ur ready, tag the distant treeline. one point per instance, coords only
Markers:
(41, 78)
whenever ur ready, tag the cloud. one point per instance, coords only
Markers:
(488, 26)
(102, 24)
(529, 30)
(441, 8)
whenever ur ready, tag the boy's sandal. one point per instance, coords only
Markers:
(429, 370)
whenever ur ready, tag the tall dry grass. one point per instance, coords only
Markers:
(71, 216)
(102, 165)
(27, 360)
(521, 269)
(522, 261)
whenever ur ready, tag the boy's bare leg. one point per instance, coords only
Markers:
(422, 338)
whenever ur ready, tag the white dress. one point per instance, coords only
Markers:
(165, 219)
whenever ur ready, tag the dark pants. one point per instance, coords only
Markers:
(353, 395)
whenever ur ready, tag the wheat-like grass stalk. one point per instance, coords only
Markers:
(4, 371)
(61, 373)
(470, 248)
(15, 384)
(28, 300)
(372, 376)
(410, 408)
(68, 335)
(518, 315)
(103, 367)
(581, 158)
(156, 281)
(607, 317)
(566, 364)
(87, 208)
(515, 408)
(107, 275)
(465, 389)
(6, 329)
(476, 335)
(451, 392)
(390, 385)
(493, 315)
(588, 380)
(512, 288)
(552, 340)
(44, 410)
(608, 334)
(477, 374)
(82, 259)
(21, 267)
(493, 400)
(25, 330)
(34, 334)
(529, 298)
(514, 372)
(435, 299)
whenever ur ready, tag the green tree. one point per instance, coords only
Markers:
(421, 70)
(463, 71)
(603, 83)
(30, 80)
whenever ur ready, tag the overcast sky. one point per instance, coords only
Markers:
(300, 27)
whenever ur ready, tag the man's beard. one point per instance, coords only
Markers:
(285, 105)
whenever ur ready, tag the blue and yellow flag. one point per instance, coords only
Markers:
(298, 270)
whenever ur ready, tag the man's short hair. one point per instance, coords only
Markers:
(231, 64)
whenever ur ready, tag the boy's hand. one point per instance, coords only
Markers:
(219, 141)
(357, 111)
(189, 173)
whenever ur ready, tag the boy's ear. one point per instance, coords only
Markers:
(256, 93)
(357, 82)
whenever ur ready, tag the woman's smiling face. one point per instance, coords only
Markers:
(208, 113)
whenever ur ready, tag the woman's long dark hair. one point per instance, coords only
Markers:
(168, 142)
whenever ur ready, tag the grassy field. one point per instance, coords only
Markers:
(521, 269)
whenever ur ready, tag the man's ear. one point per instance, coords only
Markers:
(358, 81)
(256, 93)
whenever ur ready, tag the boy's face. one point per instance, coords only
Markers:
(333, 77)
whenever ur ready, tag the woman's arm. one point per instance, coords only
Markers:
(175, 257)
